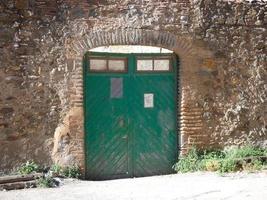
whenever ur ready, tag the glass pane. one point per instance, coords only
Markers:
(116, 87)
(116, 65)
(144, 65)
(98, 64)
(162, 65)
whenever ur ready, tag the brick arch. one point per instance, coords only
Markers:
(182, 46)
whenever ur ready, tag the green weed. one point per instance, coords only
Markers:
(28, 168)
(72, 172)
(46, 182)
(56, 170)
(243, 152)
(188, 163)
(230, 160)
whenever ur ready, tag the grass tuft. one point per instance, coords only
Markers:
(246, 158)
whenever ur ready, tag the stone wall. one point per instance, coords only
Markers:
(235, 113)
(221, 46)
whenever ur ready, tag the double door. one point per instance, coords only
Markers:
(130, 114)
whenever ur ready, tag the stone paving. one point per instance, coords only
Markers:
(191, 186)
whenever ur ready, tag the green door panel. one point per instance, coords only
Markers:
(155, 134)
(123, 138)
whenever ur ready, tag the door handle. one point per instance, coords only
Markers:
(125, 137)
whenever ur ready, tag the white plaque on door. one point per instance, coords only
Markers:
(149, 100)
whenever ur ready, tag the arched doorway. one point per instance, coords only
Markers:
(130, 105)
(190, 120)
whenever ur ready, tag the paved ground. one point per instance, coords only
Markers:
(200, 186)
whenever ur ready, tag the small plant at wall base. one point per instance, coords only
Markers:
(48, 177)
(28, 168)
(56, 170)
(46, 182)
(189, 163)
(210, 160)
(50, 180)
(72, 171)
(235, 159)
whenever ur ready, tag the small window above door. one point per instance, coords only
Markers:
(98, 64)
(106, 64)
(144, 65)
(162, 65)
(117, 64)
(147, 64)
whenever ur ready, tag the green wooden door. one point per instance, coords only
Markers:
(130, 114)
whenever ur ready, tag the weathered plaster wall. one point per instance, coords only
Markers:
(235, 106)
(221, 44)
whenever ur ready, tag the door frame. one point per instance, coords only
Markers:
(175, 70)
